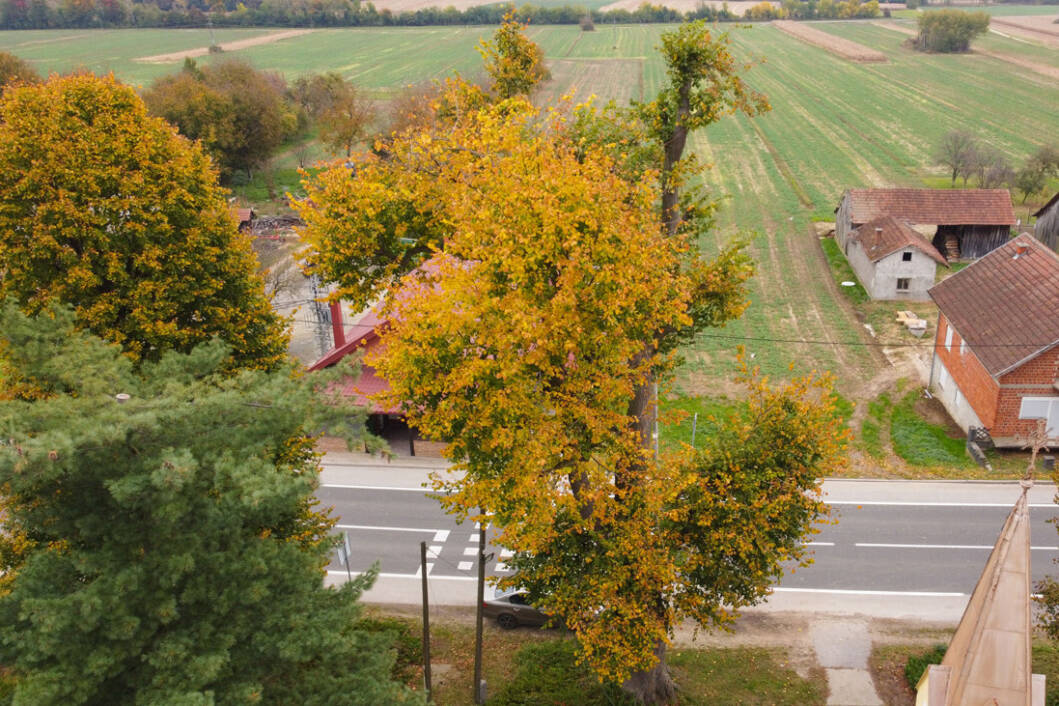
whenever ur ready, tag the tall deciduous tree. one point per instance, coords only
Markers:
(14, 71)
(347, 119)
(556, 294)
(107, 209)
(948, 31)
(239, 113)
(513, 61)
(173, 563)
(956, 152)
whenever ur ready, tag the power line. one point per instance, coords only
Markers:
(866, 344)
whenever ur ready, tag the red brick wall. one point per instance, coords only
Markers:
(1042, 370)
(977, 385)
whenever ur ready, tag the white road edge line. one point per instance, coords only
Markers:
(415, 576)
(376, 487)
(853, 592)
(942, 546)
(918, 503)
(389, 529)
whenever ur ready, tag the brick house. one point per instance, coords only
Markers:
(960, 223)
(892, 261)
(996, 352)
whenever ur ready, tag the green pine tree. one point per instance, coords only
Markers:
(172, 560)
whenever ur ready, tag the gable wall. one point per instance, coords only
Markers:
(1047, 228)
(974, 381)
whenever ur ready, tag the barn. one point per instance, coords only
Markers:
(960, 223)
(1047, 228)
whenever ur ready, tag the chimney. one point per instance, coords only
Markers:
(336, 323)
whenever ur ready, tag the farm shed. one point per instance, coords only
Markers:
(996, 352)
(1047, 228)
(892, 261)
(961, 223)
(364, 338)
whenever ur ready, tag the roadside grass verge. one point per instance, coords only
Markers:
(745, 675)
(921, 443)
(842, 272)
(894, 666)
(528, 667)
(875, 423)
(678, 419)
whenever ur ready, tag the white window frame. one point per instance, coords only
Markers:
(963, 347)
(1046, 408)
(948, 336)
(907, 281)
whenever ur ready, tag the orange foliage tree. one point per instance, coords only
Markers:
(557, 295)
(106, 209)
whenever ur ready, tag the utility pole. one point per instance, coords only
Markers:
(426, 619)
(479, 695)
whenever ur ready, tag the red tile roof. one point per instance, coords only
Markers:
(1005, 307)
(884, 236)
(947, 207)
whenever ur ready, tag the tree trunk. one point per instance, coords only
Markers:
(653, 686)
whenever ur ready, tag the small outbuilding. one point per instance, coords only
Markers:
(892, 260)
(1047, 228)
(960, 223)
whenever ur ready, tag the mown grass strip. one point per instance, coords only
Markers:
(921, 443)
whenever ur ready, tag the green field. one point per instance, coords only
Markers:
(834, 125)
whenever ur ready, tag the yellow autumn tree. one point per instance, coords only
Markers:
(553, 295)
(107, 209)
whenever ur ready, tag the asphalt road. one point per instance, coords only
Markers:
(899, 538)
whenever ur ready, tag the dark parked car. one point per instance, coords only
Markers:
(511, 610)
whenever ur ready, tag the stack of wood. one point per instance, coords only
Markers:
(915, 325)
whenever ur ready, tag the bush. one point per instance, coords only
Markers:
(586, 24)
(949, 31)
(917, 664)
(548, 673)
(408, 644)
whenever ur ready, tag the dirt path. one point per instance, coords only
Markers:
(1037, 27)
(1051, 72)
(227, 46)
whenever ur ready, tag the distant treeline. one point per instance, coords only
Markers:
(48, 14)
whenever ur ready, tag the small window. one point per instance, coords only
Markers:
(906, 256)
(948, 337)
(902, 283)
(963, 346)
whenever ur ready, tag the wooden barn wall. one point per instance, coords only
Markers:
(975, 241)
(1047, 229)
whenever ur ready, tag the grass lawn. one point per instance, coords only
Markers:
(888, 668)
(527, 667)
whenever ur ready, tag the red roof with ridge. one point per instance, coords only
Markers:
(1005, 305)
(943, 207)
(885, 236)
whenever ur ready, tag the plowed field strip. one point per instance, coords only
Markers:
(227, 46)
(842, 48)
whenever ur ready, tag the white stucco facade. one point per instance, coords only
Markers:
(946, 391)
(914, 268)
